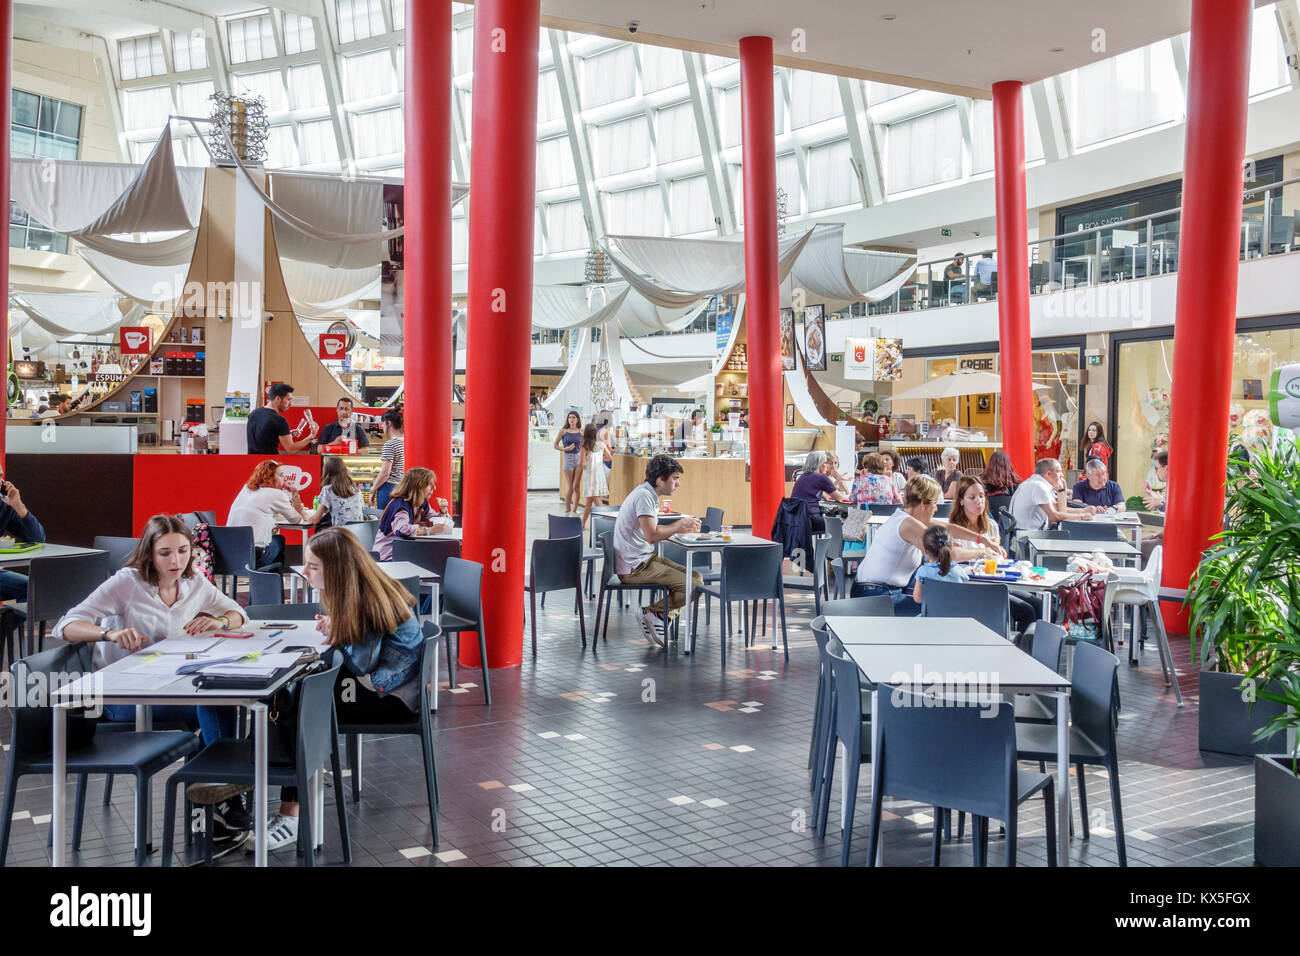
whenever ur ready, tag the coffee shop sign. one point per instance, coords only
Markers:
(978, 364)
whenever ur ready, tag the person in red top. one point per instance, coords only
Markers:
(1094, 444)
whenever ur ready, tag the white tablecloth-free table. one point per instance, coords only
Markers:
(909, 652)
(44, 551)
(739, 539)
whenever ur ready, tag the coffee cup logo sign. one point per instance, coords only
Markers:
(294, 477)
(134, 340)
(332, 346)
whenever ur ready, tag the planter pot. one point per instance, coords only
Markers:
(1225, 723)
(1277, 812)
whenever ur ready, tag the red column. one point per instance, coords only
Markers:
(7, 71)
(1013, 275)
(1205, 317)
(427, 376)
(762, 288)
(499, 346)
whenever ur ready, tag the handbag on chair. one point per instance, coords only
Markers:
(855, 525)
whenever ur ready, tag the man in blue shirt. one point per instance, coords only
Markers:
(985, 269)
(1097, 488)
(20, 524)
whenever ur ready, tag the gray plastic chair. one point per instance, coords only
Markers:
(207, 517)
(712, 520)
(748, 574)
(230, 760)
(987, 602)
(611, 584)
(232, 553)
(954, 757)
(877, 605)
(431, 554)
(55, 586)
(817, 583)
(420, 725)
(1049, 644)
(462, 599)
(264, 587)
(119, 550)
(568, 526)
(882, 510)
(1091, 530)
(554, 566)
(1094, 713)
(365, 532)
(1024, 537)
(1006, 523)
(282, 612)
(943, 510)
(848, 724)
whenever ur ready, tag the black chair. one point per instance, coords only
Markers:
(878, 605)
(119, 550)
(1048, 645)
(850, 724)
(748, 574)
(611, 584)
(835, 559)
(817, 582)
(989, 603)
(702, 562)
(231, 761)
(232, 553)
(206, 517)
(1094, 714)
(420, 725)
(883, 510)
(365, 532)
(554, 566)
(462, 601)
(431, 554)
(1024, 537)
(191, 519)
(54, 587)
(1006, 522)
(282, 612)
(561, 526)
(712, 520)
(140, 754)
(998, 504)
(954, 757)
(943, 509)
(1091, 530)
(1054, 562)
(264, 587)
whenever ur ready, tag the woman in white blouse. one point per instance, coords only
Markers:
(262, 502)
(155, 596)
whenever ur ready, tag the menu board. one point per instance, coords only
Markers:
(814, 324)
(889, 360)
(787, 339)
(877, 360)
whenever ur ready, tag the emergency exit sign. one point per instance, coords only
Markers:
(1094, 359)
(945, 232)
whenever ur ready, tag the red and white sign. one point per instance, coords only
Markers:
(859, 358)
(332, 346)
(134, 339)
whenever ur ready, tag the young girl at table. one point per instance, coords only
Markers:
(591, 470)
(368, 619)
(156, 595)
(938, 564)
(409, 513)
(340, 498)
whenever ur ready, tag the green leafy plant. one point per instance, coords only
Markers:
(1244, 595)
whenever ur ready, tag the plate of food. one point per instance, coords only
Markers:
(696, 537)
(11, 545)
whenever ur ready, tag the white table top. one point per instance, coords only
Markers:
(880, 631)
(397, 570)
(113, 683)
(44, 551)
(739, 539)
(1078, 546)
(1002, 666)
(1049, 583)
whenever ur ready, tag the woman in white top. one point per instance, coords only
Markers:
(896, 550)
(260, 504)
(155, 596)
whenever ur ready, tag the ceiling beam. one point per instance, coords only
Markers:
(152, 12)
(1047, 114)
(706, 128)
(569, 102)
(862, 142)
(333, 88)
(1287, 13)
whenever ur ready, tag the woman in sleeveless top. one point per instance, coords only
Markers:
(895, 552)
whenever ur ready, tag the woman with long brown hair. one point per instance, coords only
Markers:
(970, 510)
(340, 498)
(368, 619)
(591, 469)
(999, 477)
(408, 513)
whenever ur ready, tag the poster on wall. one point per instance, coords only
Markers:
(726, 316)
(787, 339)
(889, 360)
(814, 325)
(860, 358)
(390, 277)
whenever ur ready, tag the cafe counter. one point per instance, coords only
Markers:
(706, 483)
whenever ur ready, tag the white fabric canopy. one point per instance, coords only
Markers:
(336, 207)
(835, 276)
(75, 313)
(318, 290)
(558, 307)
(157, 286)
(965, 381)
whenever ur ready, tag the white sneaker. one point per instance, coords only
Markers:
(653, 627)
(281, 831)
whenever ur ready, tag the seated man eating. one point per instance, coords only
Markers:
(637, 531)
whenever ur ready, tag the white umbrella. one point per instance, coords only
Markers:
(965, 381)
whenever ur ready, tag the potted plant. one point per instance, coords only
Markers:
(1239, 597)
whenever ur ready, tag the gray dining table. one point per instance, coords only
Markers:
(960, 656)
(1066, 546)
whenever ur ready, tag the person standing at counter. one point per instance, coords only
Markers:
(268, 430)
(393, 464)
(948, 474)
(636, 532)
(345, 427)
(569, 441)
(21, 525)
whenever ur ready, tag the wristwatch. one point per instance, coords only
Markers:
(104, 631)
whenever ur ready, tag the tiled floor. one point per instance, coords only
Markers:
(623, 756)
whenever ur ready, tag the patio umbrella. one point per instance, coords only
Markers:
(965, 381)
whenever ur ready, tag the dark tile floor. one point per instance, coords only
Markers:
(623, 756)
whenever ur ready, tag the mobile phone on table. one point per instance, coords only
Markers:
(272, 627)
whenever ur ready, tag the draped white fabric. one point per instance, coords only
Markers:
(318, 290)
(640, 316)
(575, 385)
(334, 206)
(157, 286)
(572, 306)
(830, 273)
(155, 200)
(75, 313)
(176, 251)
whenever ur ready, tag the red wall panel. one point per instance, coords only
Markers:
(173, 484)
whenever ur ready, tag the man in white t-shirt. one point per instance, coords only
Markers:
(1034, 504)
(637, 531)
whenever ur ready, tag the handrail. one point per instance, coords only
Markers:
(1146, 218)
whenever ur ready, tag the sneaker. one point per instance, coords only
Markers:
(653, 627)
(233, 842)
(223, 834)
(281, 832)
(233, 814)
(206, 793)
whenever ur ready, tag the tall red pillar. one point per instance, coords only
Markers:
(1014, 350)
(762, 286)
(426, 321)
(499, 347)
(1205, 316)
(6, 109)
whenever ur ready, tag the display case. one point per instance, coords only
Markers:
(364, 469)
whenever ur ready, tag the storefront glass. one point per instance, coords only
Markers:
(1145, 382)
